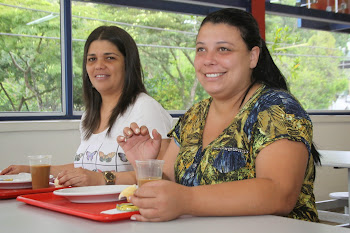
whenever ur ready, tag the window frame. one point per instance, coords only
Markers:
(195, 7)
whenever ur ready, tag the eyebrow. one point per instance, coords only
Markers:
(105, 54)
(219, 42)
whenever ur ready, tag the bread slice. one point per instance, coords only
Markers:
(128, 192)
(57, 183)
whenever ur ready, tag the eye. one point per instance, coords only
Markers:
(200, 49)
(223, 49)
(110, 58)
(91, 59)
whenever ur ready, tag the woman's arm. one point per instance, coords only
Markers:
(56, 169)
(280, 170)
(169, 156)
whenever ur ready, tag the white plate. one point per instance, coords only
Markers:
(19, 181)
(92, 194)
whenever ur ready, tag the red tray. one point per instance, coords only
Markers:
(85, 210)
(13, 193)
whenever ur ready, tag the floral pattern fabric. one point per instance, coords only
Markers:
(269, 115)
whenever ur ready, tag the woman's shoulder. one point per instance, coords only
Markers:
(144, 98)
(147, 106)
(197, 110)
(271, 97)
(200, 106)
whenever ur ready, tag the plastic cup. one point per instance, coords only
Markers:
(40, 170)
(148, 170)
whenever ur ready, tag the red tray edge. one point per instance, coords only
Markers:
(97, 217)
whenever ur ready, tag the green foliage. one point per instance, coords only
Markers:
(30, 64)
(309, 60)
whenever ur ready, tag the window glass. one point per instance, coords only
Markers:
(337, 6)
(315, 62)
(30, 59)
(166, 44)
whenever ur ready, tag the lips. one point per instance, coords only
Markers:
(213, 75)
(101, 76)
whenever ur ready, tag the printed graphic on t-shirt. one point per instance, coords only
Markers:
(102, 157)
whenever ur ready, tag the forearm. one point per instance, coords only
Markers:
(56, 169)
(125, 177)
(248, 197)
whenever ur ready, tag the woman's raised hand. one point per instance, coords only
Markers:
(138, 144)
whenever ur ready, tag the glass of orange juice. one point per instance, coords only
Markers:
(148, 170)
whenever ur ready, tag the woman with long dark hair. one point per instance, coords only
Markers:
(246, 150)
(114, 96)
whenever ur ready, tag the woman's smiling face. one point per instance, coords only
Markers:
(106, 67)
(223, 62)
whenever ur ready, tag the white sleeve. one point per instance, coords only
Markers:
(150, 113)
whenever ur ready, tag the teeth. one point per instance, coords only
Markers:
(213, 75)
(100, 76)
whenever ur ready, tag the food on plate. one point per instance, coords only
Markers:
(128, 192)
(57, 183)
(6, 179)
(127, 207)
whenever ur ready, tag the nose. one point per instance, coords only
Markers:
(210, 58)
(100, 64)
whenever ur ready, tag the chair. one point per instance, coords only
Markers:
(327, 209)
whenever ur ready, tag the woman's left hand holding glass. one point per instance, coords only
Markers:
(160, 201)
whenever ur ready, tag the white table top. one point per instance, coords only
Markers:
(334, 158)
(18, 217)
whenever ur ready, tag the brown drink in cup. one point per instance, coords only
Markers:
(40, 170)
(145, 180)
(148, 170)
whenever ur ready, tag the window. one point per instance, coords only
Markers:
(311, 46)
(30, 63)
(35, 85)
(313, 61)
(166, 49)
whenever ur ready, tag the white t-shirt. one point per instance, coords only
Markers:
(102, 153)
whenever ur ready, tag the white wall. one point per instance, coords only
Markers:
(61, 139)
(20, 139)
(331, 133)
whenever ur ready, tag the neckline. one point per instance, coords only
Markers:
(242, 109)
(97, 134)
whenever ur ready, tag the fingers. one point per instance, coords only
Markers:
(147, 208)
(70, 177)
(5, 171)
(140, 218)
(156, 135)
(11, 170)
(134, 129)
(80, 177)
(147, 190)
(121, 140)
(145, 196)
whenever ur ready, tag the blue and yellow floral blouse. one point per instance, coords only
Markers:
(268, 116)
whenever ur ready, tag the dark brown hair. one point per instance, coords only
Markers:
(266, 71)
(133, 80)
